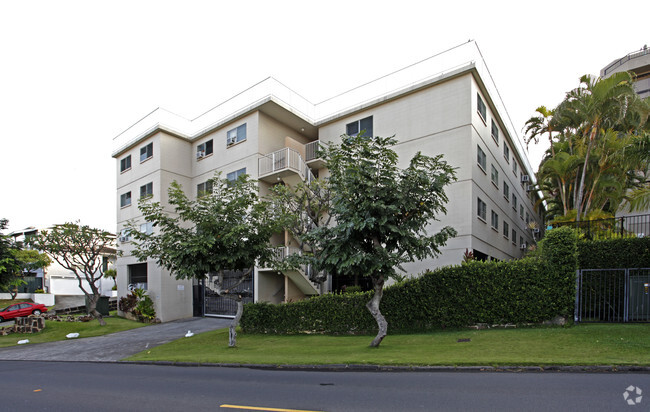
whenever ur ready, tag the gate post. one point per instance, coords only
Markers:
(576, 317)
(626, 297)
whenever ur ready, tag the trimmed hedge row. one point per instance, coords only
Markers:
(614, 253)
(528, 290)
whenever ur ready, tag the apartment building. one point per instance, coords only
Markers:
(637, 63)
(446, 105)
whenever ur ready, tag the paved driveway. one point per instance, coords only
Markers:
(115, 346)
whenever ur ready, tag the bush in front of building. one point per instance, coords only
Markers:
(614, 253)
(529, 290)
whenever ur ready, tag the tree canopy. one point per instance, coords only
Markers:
(599, 153)
(79, 249)
(379, 212)
(226, 229)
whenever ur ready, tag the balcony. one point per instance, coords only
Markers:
(282, 164)
(312, 157)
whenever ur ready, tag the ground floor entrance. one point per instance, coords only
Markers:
(206, 301)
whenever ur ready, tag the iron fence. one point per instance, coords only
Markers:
(623, 226)
(216, 305)
(613, 295)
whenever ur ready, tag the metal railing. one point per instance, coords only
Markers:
(282, 159)
(285, 159)
(623, 226)
(311, 150)
(613, 295)
(625, 59)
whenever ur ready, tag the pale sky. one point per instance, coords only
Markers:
(74, 74)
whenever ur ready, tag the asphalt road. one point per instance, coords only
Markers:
(66, 386)
(115, 346)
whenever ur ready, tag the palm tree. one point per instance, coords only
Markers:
(596, 105)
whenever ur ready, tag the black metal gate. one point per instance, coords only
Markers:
(215, 305)
(613, 295)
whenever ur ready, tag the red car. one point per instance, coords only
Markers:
(18, 310)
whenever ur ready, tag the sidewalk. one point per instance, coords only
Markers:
(115, 346)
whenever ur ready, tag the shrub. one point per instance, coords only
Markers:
(614, 253)
(532, 290)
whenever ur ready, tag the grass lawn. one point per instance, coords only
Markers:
(586, 344)
(6, 302)
(57, 330)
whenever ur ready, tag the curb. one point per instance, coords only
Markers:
(388, 368)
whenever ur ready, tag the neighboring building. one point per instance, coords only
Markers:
(638, 63)
(56, 279)
(447, 105)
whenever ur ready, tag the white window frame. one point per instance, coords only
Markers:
(494, 175)
(148, 190)
(494, 220)
(483, 165)
(123, 161)
(236, 135)
(204, 149)
(481, 108)
(359, 128)
(481, 206)
(126, 199)
(146, 150)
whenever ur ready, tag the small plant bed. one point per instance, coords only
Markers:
(594, 344)
(55, 331)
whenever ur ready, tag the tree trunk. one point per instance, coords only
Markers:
(373, 307)
(232, 334)
(581, 188)
(92, 309)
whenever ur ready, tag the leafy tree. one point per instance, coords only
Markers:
(9, 265)
(303, 208)
(226, 230)
(379, 213)
(598, 155)
(79, 249)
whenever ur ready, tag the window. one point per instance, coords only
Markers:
(137, 276)
(506, 152)
(495, 221)
(514, 201)
(506, 191)
(146, 152)
(527, 218)
(363, 126)
(495, 132)
(480, 107)
(514, 237)
(125, 235)
(204, 188)
(125, 164)
(236, 135)
(521, 211)
(146, 228)
(521, 241)
(506, 229)
(146, 190)
(204, 149)
(481, 210)
(514, 166)
(232, 176)
(495, 176)
(125, 199)
(481, 159)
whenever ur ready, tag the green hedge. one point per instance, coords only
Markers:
(528, 290)
(614, 253)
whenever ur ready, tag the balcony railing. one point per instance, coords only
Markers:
(312, 149)
(615, 64)
(286, 159)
